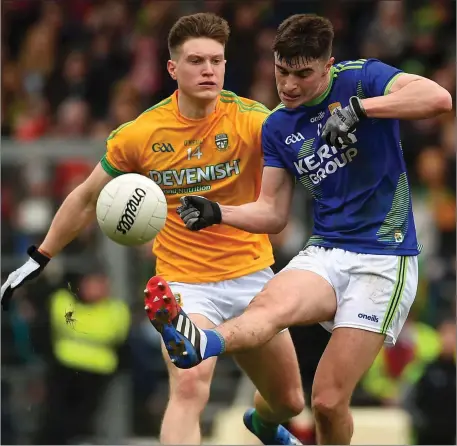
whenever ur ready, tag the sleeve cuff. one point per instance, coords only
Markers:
(110, 169)
(392, 80)
(274, 164)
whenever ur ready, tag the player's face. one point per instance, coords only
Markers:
(199, 68)
(299, 81)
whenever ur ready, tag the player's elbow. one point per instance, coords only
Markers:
(277, 225)
(443, 102)
(438, 98)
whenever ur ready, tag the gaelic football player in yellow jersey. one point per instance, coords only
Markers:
(207, 141)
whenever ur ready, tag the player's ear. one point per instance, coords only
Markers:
(171, 67)
(329, 64)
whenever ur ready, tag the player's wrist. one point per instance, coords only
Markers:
(39, 255)
(217, 212)
(357, 107)
(226, 214)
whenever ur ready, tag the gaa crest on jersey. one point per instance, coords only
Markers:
(333, 106)
(222, 141)
(178, 298)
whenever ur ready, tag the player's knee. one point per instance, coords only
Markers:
(192, 385)
(290, 403)
(268, 312)
(329, 402)
(294, 403)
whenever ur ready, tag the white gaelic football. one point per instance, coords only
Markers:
(131, 209)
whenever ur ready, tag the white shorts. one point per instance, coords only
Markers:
(220, 301)
(373, 292)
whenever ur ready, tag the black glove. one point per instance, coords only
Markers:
(29, 270)
(342, 122)
(199, 212)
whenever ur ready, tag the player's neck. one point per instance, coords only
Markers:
(322, 87)
(192, 109)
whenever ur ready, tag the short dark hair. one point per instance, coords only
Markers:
(203, 24)
(304, 36)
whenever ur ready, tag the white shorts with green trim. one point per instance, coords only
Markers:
(220, 301)
(373, 292)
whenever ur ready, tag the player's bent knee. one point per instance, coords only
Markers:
(295, 403)
(289, 404)
(329, 402)
(269, 312)
(262, 304)
(191, 385)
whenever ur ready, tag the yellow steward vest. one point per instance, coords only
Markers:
(90, 343)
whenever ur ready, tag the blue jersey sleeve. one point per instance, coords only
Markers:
(377, 77)
(270, 153)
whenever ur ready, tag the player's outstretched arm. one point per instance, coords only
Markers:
(410, 97)
(267, 215)
(75, 213)
(77, 210)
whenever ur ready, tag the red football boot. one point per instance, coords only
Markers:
(160, 303)
(180, 335)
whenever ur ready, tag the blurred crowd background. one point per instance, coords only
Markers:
(74, 70)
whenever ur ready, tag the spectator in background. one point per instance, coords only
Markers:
(397, 367)
(87, 332)
(73, 119)
(39, 50)
(32, 119)
(13, 95)
(385, 37)
(34, 207)
(108, 63)
(263, 86)
(437, 201)
(432, 402)
(125, 103)
(69, 82)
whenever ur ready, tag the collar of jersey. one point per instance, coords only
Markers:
(182, 118)
(323, 95)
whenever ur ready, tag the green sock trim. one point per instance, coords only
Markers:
(263, 427)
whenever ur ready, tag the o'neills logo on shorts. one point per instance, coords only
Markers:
(130, 212)
(372, 318)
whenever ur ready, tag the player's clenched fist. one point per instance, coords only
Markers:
(198, 212)
(31, 269)
(342, 121)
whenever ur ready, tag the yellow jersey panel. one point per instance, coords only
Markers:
(218, 157)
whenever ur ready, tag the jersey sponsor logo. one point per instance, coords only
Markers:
(318, 117)
(326, 161)
(222, 142)
(295, 137)
(162, 147)
(372, 318)
(186, 190)
(127, 219)
(195, 175)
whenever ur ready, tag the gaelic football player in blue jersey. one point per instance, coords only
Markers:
(336, 131)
